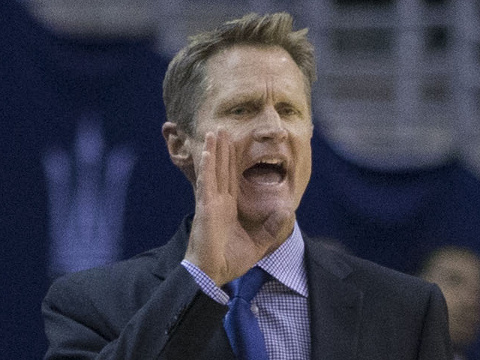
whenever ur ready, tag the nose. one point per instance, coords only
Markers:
(270, 127)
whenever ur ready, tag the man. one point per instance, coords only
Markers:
(239, 127)
(456, 270)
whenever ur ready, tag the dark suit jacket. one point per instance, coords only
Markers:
(149, 307)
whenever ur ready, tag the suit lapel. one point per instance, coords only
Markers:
(335, 305)
(168, 258)
(171, 254)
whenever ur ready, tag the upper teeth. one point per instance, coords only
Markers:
(270, 161)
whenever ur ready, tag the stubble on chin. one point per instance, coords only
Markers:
(268, 230)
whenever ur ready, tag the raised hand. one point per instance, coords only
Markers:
(219, 244)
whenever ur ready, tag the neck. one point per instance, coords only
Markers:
(271, 233)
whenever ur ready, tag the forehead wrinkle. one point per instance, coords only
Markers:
(270, 88)
(276, 84)
(281, 92)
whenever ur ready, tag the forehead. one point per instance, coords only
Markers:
(242, 55)
(250, 68)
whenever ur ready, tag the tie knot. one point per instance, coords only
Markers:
(247, 286)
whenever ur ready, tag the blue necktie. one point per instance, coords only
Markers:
(240, 323)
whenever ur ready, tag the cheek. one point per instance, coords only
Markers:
(241, 137)
(301, 132)
(241, 132)
(303, 160)
(305, 171)
(301, 145)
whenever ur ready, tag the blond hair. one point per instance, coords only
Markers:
(184, 86)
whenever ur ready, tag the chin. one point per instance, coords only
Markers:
(255, 213)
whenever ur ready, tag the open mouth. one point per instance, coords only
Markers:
(266, 172)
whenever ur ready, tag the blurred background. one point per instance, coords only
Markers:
(86, 178)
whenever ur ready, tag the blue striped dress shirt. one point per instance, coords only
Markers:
(281, 305)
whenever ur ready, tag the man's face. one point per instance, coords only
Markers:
(257, 94)
(458, 276)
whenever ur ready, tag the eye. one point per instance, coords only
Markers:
(238, 111)
(242, 110)
(287, 110)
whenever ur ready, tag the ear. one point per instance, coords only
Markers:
(178, 144)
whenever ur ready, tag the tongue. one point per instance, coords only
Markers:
(262, 175)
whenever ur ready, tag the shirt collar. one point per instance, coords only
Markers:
(287, 265)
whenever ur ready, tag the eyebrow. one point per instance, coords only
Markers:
(237, 100)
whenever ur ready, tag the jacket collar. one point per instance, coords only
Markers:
(335, 304)
(172, 253)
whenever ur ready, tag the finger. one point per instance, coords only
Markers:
(206, 179)
(232, 173)
(222, 163)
